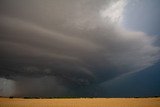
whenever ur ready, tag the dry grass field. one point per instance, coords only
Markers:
(81, 102)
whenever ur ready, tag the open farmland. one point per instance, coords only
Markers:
(81, 102)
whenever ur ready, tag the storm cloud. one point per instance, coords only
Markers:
(68, 46)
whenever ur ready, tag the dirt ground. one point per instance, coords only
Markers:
(81, 102)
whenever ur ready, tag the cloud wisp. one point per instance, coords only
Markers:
(70, 44)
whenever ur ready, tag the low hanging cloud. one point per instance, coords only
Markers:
(7, 87)
(75, 45)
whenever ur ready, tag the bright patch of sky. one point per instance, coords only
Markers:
(142, 15)
(114, 12)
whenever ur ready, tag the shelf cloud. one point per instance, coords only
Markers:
(66, 46)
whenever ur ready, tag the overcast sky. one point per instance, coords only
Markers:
(75, 47)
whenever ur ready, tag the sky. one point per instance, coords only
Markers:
(79, 48)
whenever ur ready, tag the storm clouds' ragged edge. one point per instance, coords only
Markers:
(67, 47)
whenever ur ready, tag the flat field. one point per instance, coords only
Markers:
(81, 102)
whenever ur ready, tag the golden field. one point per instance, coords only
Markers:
(81, 102)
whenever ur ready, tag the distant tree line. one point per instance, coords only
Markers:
(30, 97)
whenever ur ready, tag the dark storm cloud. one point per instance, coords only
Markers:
(43, 86)
(68, 41)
